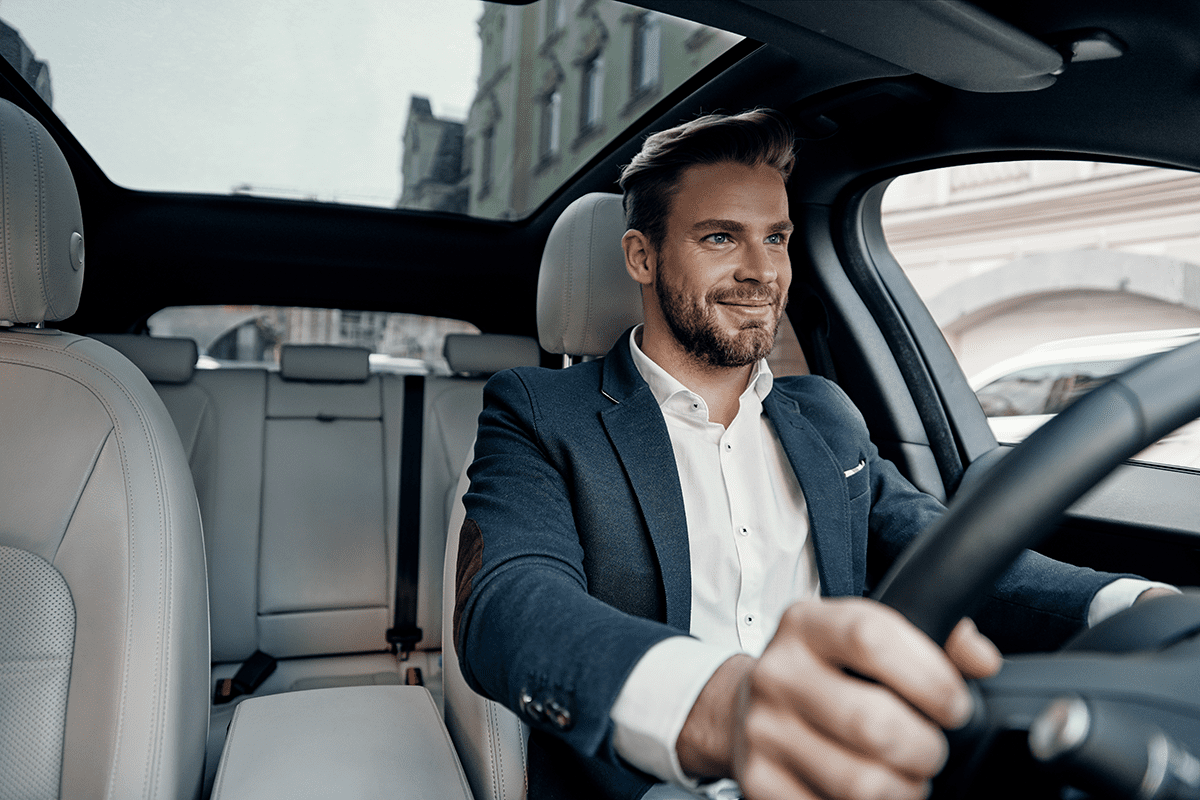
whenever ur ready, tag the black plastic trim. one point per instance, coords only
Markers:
(855, 250)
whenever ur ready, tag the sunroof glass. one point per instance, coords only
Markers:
(445, 105)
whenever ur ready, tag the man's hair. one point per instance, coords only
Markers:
(761, 137)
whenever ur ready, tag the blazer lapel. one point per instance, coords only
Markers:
(635, 426)
(824, 491)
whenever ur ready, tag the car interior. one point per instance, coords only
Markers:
(236, 580)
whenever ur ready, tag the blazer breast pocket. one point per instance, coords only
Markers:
(856, 479)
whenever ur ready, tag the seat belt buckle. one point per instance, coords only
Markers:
(404, 638)
(254, 670)
(225, 692)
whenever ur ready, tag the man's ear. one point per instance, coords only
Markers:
(639, 257)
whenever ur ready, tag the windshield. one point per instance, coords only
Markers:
(447, 105)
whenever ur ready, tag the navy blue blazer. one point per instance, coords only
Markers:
(574, 560)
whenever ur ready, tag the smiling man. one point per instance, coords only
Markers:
(665, 553)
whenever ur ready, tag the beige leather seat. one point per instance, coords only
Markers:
(281, 462)
(104, 647)
(585, 301)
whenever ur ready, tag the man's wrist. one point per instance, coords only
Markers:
(1118, 596)
(705, 745)
(654, 702)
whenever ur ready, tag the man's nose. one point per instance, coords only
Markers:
(758, 263)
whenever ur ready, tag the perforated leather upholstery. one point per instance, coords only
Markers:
(94, 482)
(585, 301)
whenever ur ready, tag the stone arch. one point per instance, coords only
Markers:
(1052, 296)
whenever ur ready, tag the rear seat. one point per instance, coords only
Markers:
(297, 472)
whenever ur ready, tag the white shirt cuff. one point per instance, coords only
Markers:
(655, 701)
(1118, 596)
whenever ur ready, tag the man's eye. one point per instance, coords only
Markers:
(718, 238)
(776, 238)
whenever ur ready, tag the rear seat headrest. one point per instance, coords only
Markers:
(162, 359)
(489, 353)
(324, 362)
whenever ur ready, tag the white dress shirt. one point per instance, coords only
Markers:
(751, 558)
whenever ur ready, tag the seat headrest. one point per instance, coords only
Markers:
(162, 359)
(585, 297)
(41, 225)
(324, 362)
(489, 353)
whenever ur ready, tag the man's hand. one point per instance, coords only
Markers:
(1153, 592)
(795, 724)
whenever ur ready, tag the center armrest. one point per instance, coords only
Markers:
(354, 741)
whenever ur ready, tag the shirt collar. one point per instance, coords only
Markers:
(663, 385)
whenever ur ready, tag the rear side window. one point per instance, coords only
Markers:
(232, 336)
(1049, 277)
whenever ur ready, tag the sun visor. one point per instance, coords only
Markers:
(950, 41)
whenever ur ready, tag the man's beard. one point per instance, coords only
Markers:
(695, 325)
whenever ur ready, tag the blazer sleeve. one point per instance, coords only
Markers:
(1036, 605)
(528, 633)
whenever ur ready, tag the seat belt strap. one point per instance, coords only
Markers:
(250, 675)
(404, 633)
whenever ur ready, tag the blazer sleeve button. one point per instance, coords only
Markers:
(559, 715)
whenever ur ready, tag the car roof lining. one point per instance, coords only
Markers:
(950, 41)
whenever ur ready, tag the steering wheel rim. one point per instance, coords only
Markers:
(944, 574)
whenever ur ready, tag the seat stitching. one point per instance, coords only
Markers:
(82, 487)
(39, 189)
(496, 760)
(4, 205)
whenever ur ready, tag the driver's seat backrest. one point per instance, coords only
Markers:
(585, 301)
(104, 645)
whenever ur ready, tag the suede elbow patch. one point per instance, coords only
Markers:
(466, 567)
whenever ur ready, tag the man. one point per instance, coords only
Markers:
(647, 536)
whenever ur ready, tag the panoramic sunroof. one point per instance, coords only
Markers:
(447, 105)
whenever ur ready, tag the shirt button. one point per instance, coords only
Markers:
(744, 531)
(748, 619)
(728, 447)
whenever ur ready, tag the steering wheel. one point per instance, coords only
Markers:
(944, 573)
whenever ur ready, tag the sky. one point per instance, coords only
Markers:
(292, 97)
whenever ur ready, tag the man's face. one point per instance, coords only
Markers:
(723, 270)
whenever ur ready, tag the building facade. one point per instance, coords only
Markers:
(1013, 254)
(432, 161)
(557, 80)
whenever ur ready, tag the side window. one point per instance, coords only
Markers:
(1047, 278)
(231, 336)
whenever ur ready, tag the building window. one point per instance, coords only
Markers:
(591, 100)
(554, 18)
(647, 41)
(487, 153)
(549, 125)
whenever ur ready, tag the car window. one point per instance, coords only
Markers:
(457, 106)
(1047, 389)
(1049, 277)
(232, 336)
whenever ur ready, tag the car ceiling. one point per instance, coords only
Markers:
(862, 119)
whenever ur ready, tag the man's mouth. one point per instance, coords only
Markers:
(755, 300)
